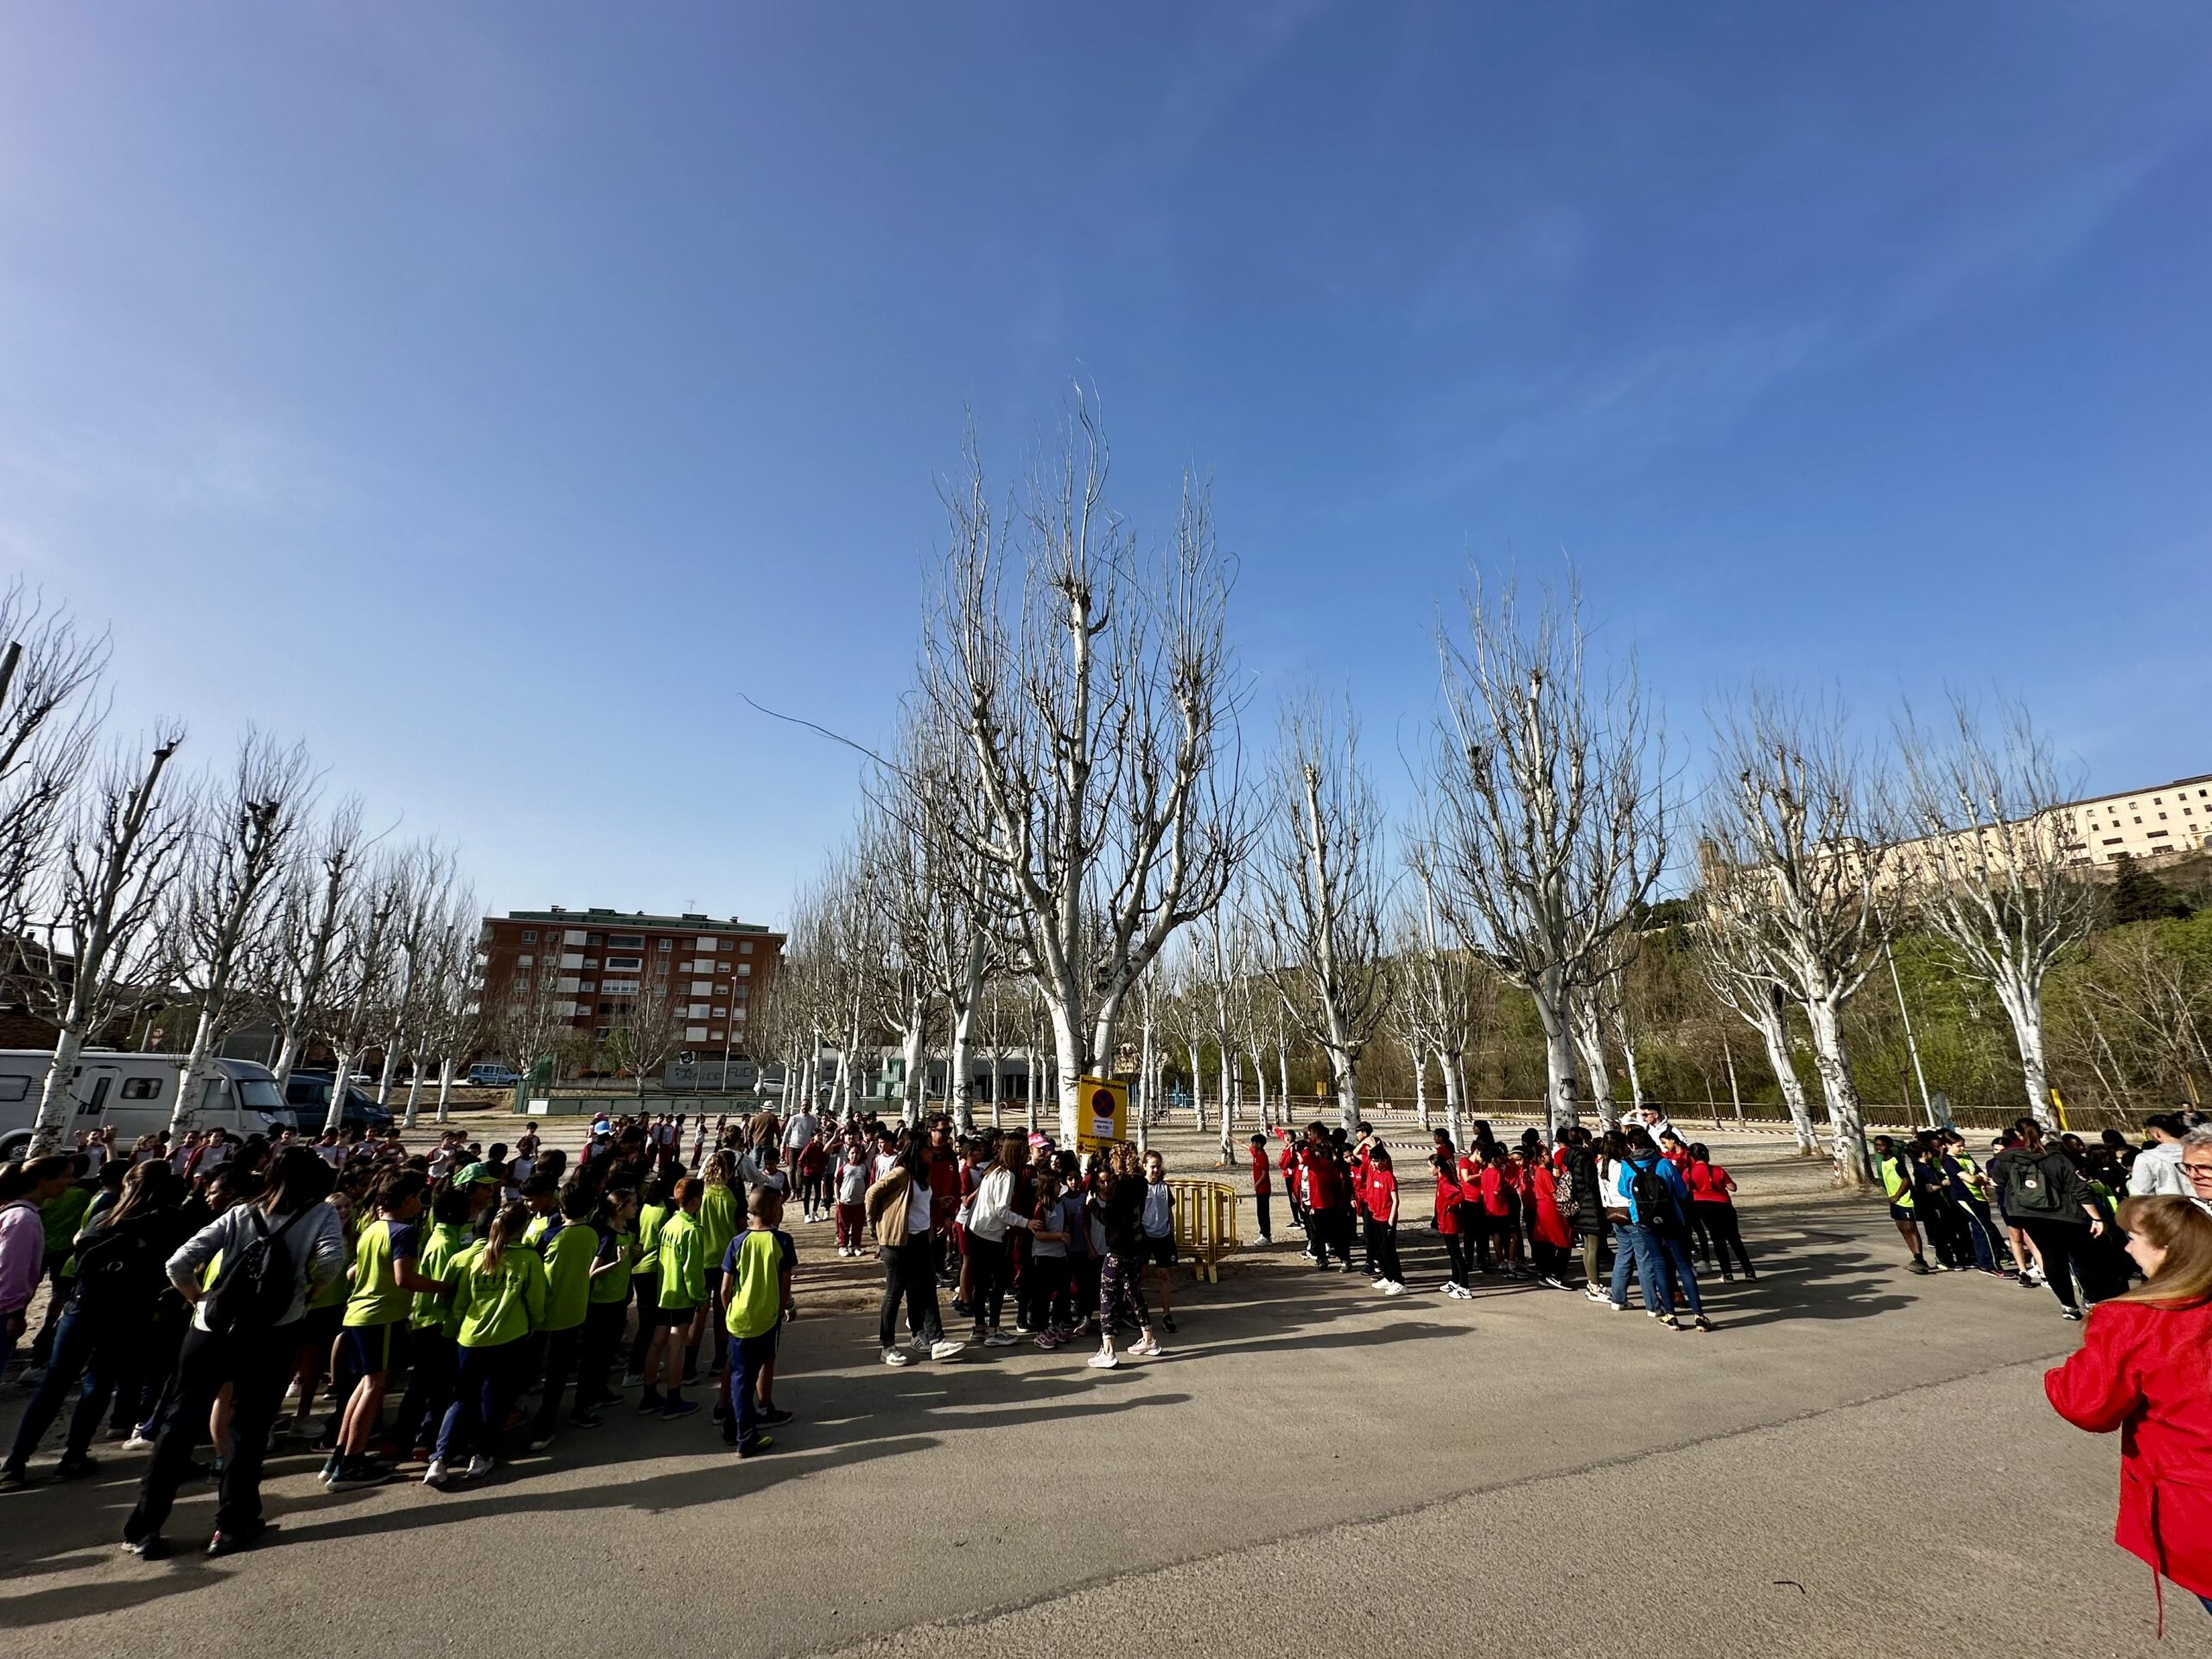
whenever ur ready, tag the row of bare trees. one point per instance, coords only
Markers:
(1069, 843)
(138, 895)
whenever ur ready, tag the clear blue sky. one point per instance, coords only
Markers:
(490, 394)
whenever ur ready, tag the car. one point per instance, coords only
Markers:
(307, 1098)
(491, 1075)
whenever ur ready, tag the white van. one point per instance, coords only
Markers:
(136, 1094)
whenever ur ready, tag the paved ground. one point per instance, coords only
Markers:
(1857, 1460)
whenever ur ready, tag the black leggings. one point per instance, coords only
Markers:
(1720, 1227)
(1461, 1248)
(990, 1262)
(2068, 1251)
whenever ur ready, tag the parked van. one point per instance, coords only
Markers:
(136, 1094)
(489, 1074)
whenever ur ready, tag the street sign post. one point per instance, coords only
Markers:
(1103, 1117)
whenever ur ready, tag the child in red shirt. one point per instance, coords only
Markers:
(1262, 1186)
(1382, 1205)
(1288, 1164)
(1450, 1219)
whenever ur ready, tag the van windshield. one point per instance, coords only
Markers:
(260, 1095)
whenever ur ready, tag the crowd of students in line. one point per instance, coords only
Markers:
(1639, 1195)
(383, 1306)
(2043, 1211)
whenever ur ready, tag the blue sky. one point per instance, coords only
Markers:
(490, 395)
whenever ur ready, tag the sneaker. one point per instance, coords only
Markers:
(14, 1478)
(1103, 1360)
(1462, 1294)
(945, 1348)
(2069, 1313)
(1391, 1287)
(1049, 1341)
(1917, 1266)
(31, 1378)
(754, 1446)
(1670, 1322)
(586, 1419)
(540, 1442)
(960, 1306)
(76, 1468)
(774, 1415)
(648, 1402)
(999, 1340)
(478, 1466)
(139, 1441)
(1146, 1347)
(152, 1548)
(357, 1472)
(1702, 1323)
(632, 1379)
(437, 1474)
(1617, 1307)
(676, 1408)
(896, 1357)
(1021, 1329)
(1554, 1281)
(329, 1470)
(1167, 1323)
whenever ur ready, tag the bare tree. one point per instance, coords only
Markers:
(1731, 957)
(1320, 886)
(1548, 808)
(49, 713)
(293, 974)
(1798, 828)
(1092, 686)
(649, 1024)
(1997, 874)
(364, 967)
(233, 876)
(453, 1012)
(93, 934)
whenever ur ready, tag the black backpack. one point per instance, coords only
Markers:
(119, 1265)
(1655, 1198)
(255, 1289)
(2027, 1188)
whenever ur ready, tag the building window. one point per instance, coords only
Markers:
(745, 948)
(703, 987)
(595, 938)
(715, 1035)
(704, 944)
(625, 941)
(624, 965)
(619, 987)
(667, 944)
(524, 961)
(744, 967)
(695, 1034)
(529, 936)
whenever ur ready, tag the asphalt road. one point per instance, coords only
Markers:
(1857, 1460)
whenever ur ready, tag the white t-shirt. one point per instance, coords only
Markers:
(852, 1183)
(799, 1130)
(918, 1209)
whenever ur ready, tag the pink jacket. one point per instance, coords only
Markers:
(22, 1254)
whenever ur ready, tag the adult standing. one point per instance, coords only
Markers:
(899, 1207)
(289, 1245)
(2156, 1168)
(25, 1190)
(2141, 1370)
(2049, 1200)
(2196, 1166)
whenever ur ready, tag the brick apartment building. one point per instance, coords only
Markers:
(598, 958)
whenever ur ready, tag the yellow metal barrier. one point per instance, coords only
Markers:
(1205, 1223)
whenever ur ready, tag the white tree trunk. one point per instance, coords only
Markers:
(414, 1087)
(391, 1069)
(203, 1039)
(1776, 1036)
(1590, 1045)
(958, 1086)
(1847, 1121)
(50, 1130)
(1558, 1066)
(1260, 1077)
(1345, 1069)
(1228, 1087)
(339, 1085)
(1420, 1088)
(2023, 1001)
(1455, 1089)
(445, 1090)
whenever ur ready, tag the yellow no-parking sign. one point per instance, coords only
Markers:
(1102, 1114)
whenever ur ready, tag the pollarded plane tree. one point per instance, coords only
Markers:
(1548, 808)
(224, 904)
(1092, 685)
(1321, 885)
(1799, 823)
(1733, 960)
(1996, 872)
(92, 939)
(50, 716)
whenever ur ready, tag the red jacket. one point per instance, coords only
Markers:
(2142, 1370)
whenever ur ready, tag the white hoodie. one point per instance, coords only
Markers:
(2158, 1170)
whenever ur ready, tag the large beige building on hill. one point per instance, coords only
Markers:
(2174, 817)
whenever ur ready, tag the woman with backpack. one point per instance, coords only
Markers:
(116, 1278)
(244, 1333)
(2044, 1195)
